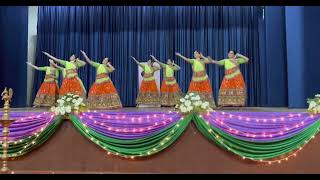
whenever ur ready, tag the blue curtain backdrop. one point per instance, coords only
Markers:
(13, 51)
(121, 32)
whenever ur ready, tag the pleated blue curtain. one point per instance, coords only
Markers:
(119, 32)
(13, 51)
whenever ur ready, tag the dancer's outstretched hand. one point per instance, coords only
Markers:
(47, 54)
(153, 57)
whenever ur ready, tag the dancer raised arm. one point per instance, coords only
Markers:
(87, 58)
(242, 58)
(55, 65)
(176, 66)
(206, 60)
(213, 61)
(156, 60)
(141, 65)
(53, 58)
(184, 58)
(33, 66)
(108, 64)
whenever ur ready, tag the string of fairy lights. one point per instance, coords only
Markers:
(25, 144)
(159, 130)
(286, 158)
(229, 129)
(159, 146)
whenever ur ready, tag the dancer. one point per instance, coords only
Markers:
(200, 83)
(148, 93)
(63, 70)
(102, 94)
(233, 89)
(48, 91)
(71, 82)
(170, 90)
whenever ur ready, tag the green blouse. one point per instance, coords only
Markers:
(50, 71)
(101, 69)
(72, 66)
(229, 64)
(199, 66)
(148, 70)
(169, 72)
(169, 69)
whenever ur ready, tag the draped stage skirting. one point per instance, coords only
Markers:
(67, 151)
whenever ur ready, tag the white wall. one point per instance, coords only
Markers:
(32, 42)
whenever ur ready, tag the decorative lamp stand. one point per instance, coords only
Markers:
(5, 122)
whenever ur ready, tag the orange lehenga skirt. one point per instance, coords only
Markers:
(148, 93)
(47, 94)
(170, 93)
(232, 91)
(204, 89)
(103, 96)
(74, 86)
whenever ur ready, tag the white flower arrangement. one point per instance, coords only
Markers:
(192, 103)
(314, 104)
(67, 104)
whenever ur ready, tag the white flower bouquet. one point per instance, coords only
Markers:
(192, 103)
(68, 103)
(314, 104)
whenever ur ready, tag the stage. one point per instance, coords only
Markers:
(67, 151)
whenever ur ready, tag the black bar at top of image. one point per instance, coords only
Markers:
(160, 2)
